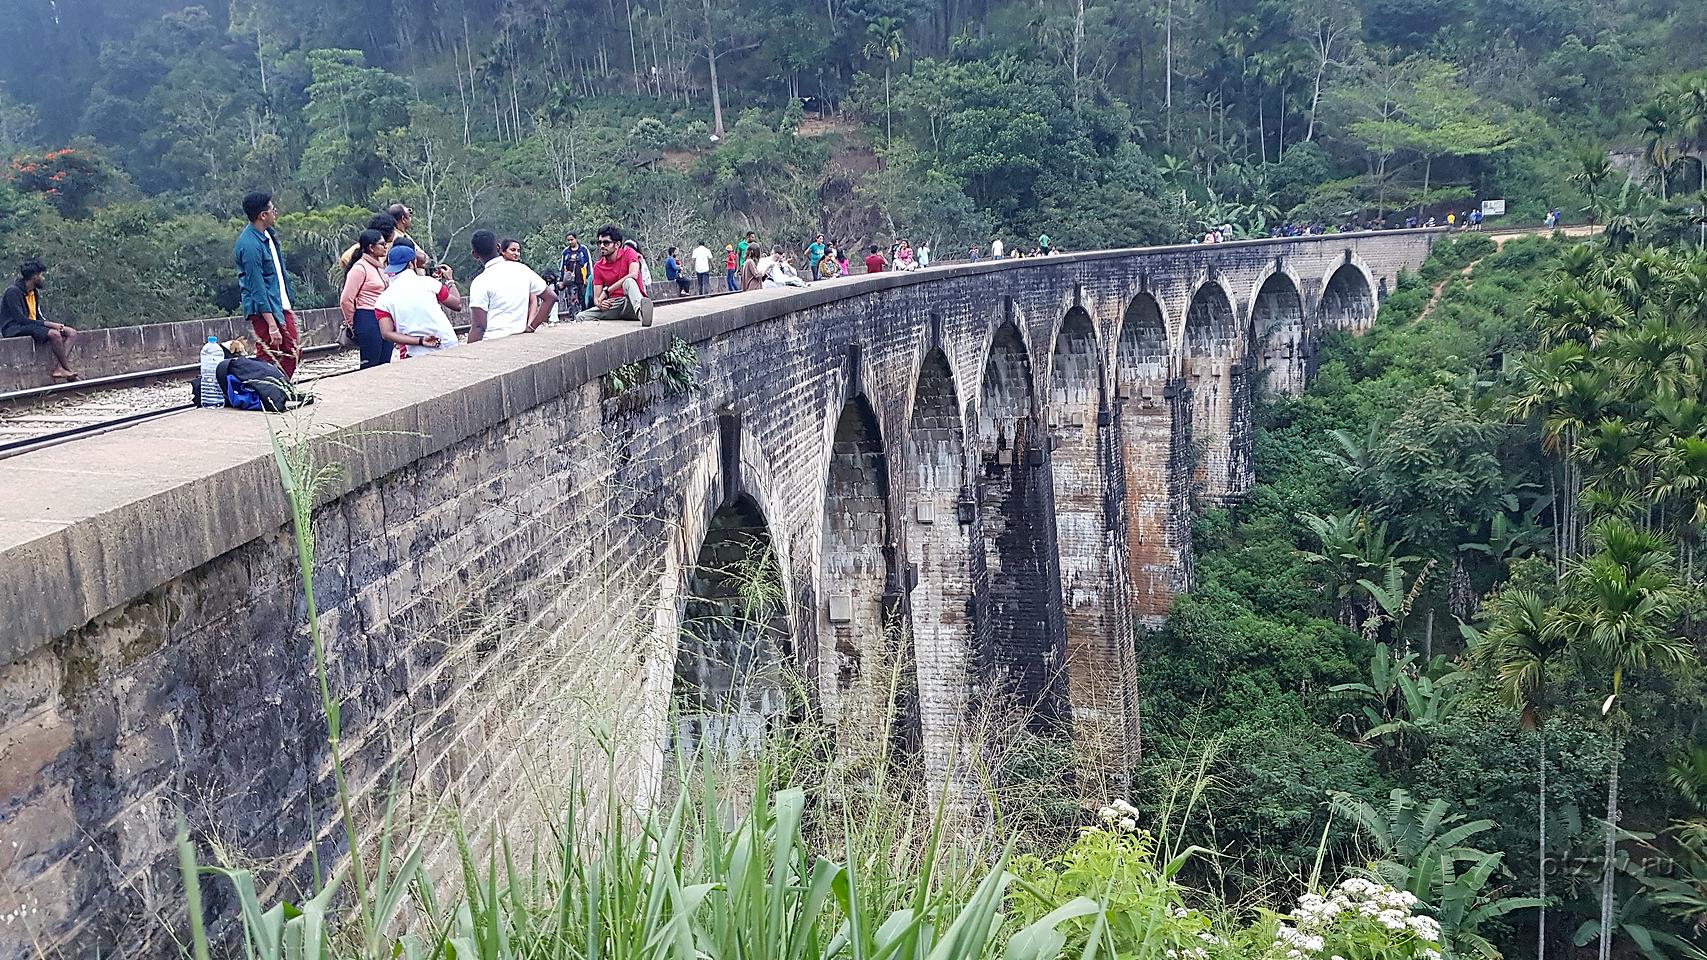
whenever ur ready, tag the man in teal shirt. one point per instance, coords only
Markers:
(815, 256)
(1043, 244)
(264, 285)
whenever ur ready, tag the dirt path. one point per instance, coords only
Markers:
(1499, 238)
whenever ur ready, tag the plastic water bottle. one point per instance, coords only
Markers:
(213, 395)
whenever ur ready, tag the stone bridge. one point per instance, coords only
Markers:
(903, 504)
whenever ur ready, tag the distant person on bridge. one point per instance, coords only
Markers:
(675, 272)
(996, 249)
(731, 267)
(1043, 245)
(404, 218)
(411, 311)
(701, 257)
(504, 296)
(874, 262)
(379, 221)
(751, 278)
(815, 255)
(577, 266)
(264, 285)
(363, 284)
(21, 315)
(619, 292)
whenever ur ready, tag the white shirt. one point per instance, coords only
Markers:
(503, 290)
(701, 259)
(996, 249)
(278, 268)
(413, 302)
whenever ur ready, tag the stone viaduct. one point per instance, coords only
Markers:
(967, 484)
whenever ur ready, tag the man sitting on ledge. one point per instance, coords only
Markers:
(618, 291)
(21, 315)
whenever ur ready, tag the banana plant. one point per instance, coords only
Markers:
(1423, 848)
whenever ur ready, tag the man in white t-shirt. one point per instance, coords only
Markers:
(508, 297)
(996, 248)
(702, 267)
(411, 311)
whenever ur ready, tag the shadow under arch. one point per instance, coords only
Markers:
(867, 681)
(1154, 416)
(1219, 392)
(735, 680)
(1282, 346)
(1016, 508)
(1348, 300)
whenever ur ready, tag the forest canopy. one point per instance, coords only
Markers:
(139, 126)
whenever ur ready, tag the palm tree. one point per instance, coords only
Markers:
(1689, 108)
(885, 39)
(1593, 170)
(1519, 646)
(1659, 149)
(1621, 605)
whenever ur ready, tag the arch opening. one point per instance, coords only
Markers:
(1155, 450)
(1347, 301)
(943, 598)
(734, 683)
(860, 649)
(1016, 507)
(1211, 336)
(1282, 336)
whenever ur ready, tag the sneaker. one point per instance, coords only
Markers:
(646, 312)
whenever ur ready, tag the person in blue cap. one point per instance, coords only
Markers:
(412, 312)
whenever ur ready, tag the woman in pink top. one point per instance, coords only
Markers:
(363, 284)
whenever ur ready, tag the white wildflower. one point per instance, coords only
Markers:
(1427, 928)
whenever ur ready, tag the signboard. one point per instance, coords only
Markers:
(1493, 208)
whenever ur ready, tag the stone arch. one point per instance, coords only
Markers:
(735, 651)
(860, 649)
(1155, 458)
(1281, 345)
(1100, 676)
(1219, 391)
(1348, 298)
(939, 556)
(1016, 507)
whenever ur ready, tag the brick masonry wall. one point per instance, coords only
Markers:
(504, 559)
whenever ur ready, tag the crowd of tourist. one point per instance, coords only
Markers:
(396, 301)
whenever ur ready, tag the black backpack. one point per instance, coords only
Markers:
(252, 384)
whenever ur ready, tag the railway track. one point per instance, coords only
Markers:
(32, 422)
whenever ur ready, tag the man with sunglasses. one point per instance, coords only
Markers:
(619, 293)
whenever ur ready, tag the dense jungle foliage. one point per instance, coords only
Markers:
(134, 129)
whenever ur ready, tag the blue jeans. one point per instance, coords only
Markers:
(374, 348)
(729, 278)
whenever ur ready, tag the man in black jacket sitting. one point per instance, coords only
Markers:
(21, 315)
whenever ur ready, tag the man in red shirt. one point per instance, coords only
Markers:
(618, 292)
(874, 262)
